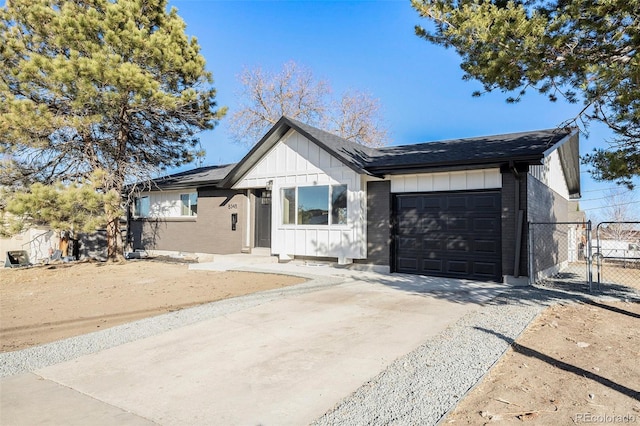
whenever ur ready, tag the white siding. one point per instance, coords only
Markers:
(447, 181)
(550, 173)
(296, 161)
(165, 204)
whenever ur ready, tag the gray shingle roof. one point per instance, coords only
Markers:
(467, 153)
(210, 175)
(496, 149)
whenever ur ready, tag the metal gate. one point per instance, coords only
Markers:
(569, 255)
(616, 254)
(560, 255)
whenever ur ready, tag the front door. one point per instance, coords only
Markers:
(263, 218)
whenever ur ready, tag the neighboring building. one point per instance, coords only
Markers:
(455, 208)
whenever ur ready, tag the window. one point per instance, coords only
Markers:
(289, 206)
(310, 205)
(142, 206)
(339, 204)
(189, 204)
(313, 205)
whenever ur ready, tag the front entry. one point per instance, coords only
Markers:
(263, 218)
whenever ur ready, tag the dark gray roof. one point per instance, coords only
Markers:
(464, 153)
(453, 154)
(202, 176)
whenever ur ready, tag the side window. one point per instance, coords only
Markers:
(142, 206)
(189, 204)
(289, 206)
(339, 205)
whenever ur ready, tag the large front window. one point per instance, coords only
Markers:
(189, 204)
(313, 204)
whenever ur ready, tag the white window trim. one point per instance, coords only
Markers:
(297, 225)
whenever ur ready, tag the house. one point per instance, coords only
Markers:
(454, 208)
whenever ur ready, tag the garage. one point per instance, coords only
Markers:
(449, 234)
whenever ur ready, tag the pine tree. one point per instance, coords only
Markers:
(99, 85)
(578, 50)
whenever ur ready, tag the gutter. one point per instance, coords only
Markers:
(519, 220)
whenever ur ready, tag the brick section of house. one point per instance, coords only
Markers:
(509, 218)
(550, 241)
(378, 223)
(209, 232)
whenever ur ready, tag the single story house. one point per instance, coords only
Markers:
(454, 208)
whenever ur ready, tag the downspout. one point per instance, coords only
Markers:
(519, 221)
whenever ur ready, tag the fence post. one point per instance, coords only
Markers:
(531, 249)
(589, 259)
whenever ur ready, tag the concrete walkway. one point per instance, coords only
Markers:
(284, 362)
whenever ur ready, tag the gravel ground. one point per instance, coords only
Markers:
(419, 388)
(424, 385)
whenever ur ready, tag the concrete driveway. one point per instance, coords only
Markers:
(283, 362)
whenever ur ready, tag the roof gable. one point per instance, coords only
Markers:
(353, 155)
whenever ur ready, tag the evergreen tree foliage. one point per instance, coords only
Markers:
(79, 207)
(99, 85)
(579, 50)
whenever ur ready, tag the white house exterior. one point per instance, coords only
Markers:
(454, 208)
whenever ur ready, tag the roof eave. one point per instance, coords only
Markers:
(451, 166)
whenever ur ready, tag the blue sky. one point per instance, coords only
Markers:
(370, 46)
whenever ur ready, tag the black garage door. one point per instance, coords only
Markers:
(449, 234)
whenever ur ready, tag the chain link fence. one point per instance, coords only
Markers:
(616, 254)
(574, 256)
(560, 256)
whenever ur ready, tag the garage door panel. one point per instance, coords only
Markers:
(450, 234)
(431, 224)
(484, 269)
(405, 243)
(457, 244)
(408, 265)
(486, 202)
(456, 267)
(486, 246)
(432, 265)
(457, 203)
(486, 224)
(458, 224)
(431, 204)
(433, 245)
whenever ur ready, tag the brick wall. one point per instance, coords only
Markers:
(378, 223)
(509, 218)
(209, 232)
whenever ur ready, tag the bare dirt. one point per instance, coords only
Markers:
(47, 303)
(576, 363)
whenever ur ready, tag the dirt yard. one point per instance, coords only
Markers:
(46, 303)
(577, 363)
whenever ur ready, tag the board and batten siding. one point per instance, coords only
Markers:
(550, 173)
(447, 181)
(295, 161)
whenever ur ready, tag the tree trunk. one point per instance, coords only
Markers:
(114, 239)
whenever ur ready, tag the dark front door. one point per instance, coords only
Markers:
(263, 218)
(450, 234)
